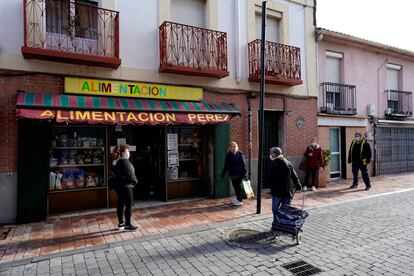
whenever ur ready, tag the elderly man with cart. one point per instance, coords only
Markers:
(283, 182)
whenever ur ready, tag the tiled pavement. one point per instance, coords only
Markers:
(58, 235)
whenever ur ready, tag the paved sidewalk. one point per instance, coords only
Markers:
(63, 234)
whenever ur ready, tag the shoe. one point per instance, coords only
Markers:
(304, 188)
(314, 188)
(121, 226)
(237, 203)
(130, 228)
(234, 202)
(367, 188)
(353, 186)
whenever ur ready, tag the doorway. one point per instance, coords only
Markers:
(273, 135)
(335, 148)
(146, 144)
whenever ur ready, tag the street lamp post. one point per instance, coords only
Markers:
(261, 110)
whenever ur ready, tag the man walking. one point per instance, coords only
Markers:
(360, 156)
(282, 180)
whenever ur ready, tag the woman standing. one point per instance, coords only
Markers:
(313, 155)
(126, 180)
(235, 165)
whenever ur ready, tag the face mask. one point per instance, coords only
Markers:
(313, 144)
(357, 139)
(271, 157)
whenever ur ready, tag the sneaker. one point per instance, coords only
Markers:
(367, 188)
(121, 226)
(304, 188)
(237, 203)
(234, 201)
(314, 188)
(130, 228)
(353, 186)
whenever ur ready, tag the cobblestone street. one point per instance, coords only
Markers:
(372, 236)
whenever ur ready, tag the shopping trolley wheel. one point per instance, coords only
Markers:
(298, 238)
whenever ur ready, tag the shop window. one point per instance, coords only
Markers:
(77, 169)
(185, 162)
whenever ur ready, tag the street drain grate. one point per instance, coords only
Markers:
(301, 268)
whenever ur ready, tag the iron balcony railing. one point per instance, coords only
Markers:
(69, 27)
(339, 98)
(282, 63)
(192, 50)
(399, 103)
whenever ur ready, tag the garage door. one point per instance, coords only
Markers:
(395, 150)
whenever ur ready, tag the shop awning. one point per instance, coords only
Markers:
(94, 109)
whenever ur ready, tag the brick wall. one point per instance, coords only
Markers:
(10, 82)
(296, 138)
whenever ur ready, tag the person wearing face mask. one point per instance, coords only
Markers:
(282, 179)
(235, 165)
(360, 156)
(126, 180)
(313, 155)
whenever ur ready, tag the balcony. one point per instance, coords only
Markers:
(70, 32)
(399, 104)
(338, 98)
(282, 63)
(192, 51)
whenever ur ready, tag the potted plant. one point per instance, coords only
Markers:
(324, 173)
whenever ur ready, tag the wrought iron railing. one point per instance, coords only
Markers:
(71, 27)
(282, 62)
(338, 98)
(399, 103)
(192, 48)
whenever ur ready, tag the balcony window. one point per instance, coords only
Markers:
(282, 63)
(399, 104)
(338, 98)
(190, 50)
(71, 31)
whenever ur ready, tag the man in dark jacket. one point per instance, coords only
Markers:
(360, 156)
(282, 180)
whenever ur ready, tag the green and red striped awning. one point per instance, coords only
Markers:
(94, 109)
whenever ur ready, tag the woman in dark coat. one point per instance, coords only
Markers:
(282, 180)
(235, 165)
(126, 180)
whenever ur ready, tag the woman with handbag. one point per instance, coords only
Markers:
(235, 165)
(313, 164)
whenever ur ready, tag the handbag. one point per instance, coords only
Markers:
(302, 165)
(248, 188)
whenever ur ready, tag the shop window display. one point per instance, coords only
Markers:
(77, 162)
(185, 164)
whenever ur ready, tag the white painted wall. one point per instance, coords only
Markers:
(139, 45)
(11, 27)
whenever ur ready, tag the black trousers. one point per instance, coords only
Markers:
(125, 203)
(310, 173)
(237, 187)
(356, 167)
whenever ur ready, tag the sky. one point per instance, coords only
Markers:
(387, 22)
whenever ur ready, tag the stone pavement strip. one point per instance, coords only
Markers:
(369, 236)
(30, 242)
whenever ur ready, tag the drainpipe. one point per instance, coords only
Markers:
(250, 134)
(378, 110)
(237, 41)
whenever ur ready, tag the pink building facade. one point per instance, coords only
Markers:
(365, 87)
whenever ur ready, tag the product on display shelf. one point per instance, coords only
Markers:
(90, 180)
(58, 185)
(52, 181)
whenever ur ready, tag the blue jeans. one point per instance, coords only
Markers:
(277, 203)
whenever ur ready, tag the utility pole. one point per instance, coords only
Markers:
(261, 110)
